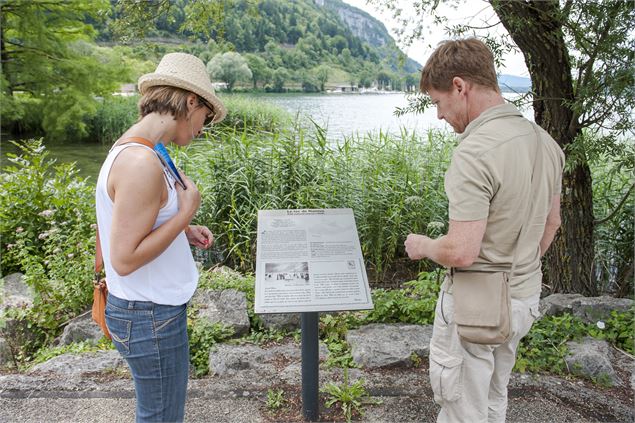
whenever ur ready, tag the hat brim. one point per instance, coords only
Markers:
(156, 79)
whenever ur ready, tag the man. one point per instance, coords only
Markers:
(489, 185)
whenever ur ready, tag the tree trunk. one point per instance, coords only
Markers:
(536, 30)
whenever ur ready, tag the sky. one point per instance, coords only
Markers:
(419, 50)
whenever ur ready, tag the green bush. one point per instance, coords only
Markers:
(47, 228)
(415, 303)
(544, 348)
(42, 204)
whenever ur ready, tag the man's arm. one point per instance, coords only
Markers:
(552, 225)
(459, 248)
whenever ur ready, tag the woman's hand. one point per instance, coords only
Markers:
(199, 236)
(190, 198)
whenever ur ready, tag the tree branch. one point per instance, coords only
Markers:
(619, 206)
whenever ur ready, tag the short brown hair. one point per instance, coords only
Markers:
(469, 59)
(164, 99)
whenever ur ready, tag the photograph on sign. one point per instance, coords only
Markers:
(309, 260)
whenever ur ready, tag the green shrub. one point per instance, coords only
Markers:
(202, 337)
(415, 303)
(39, 199)
(47, 227)
(544, 348)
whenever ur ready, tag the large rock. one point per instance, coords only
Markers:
(592, 309)
(5, 353)
(15, 293)
(281, 321)
(588, 309)
(81, 328)
(389, 345)
(228, 307)
(558, 304)
(284, 360)
(71, 364)
(590, 358)
(14, 285)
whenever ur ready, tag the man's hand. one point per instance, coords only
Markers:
(199, 236)
(416, 246)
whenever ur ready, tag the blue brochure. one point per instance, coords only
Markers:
(162, 152)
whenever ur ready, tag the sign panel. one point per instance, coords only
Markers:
(309, 260)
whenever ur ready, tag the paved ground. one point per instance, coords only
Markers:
(405, 396)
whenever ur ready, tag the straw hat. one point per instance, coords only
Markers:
(188, 72)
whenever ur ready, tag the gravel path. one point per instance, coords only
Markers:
(405, 396)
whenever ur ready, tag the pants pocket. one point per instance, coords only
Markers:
(120, 331)
(446, 355)
(445, 376)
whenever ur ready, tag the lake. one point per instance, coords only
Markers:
(340, 114)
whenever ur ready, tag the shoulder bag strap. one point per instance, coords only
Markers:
(535, 177)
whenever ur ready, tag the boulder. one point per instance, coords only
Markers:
(590, 358)
(15, 293)
(228, 307)
(79, 329)
(281, 321)
(558, 304)
(228, 360)
(389, 345)
(6, 358)
(72, 364)
(593, 309)
(588, 309)
(14, 285)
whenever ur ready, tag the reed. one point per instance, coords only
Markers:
(393, 183)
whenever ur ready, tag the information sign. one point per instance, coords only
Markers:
(309, 260)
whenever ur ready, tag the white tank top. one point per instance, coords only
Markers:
(169, 279)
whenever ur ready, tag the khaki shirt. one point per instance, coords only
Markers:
(490, 178)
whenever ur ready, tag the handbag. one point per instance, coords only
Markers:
(100, 291)
(100, 287)
(482, 299)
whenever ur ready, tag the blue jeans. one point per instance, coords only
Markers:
(153, 340)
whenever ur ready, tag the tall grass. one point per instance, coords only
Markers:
(394, 184)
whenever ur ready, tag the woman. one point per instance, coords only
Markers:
(144, 219)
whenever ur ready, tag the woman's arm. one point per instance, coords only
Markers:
(136, 185)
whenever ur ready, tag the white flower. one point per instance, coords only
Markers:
(71, 255)
(19, 229)
(47, 213)
(43, 235)
(93, 226)
(600, 324)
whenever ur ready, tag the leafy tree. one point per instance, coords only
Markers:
(47, 55)
(581, 61)
(260, 72)
(229, 67)
(280, 76)
(322, 75)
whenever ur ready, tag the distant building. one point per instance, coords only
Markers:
(127, 90)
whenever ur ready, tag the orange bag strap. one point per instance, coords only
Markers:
(138, 140)
(99, 259)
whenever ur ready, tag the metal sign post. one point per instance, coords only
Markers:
(309, 261)
(310, 366)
